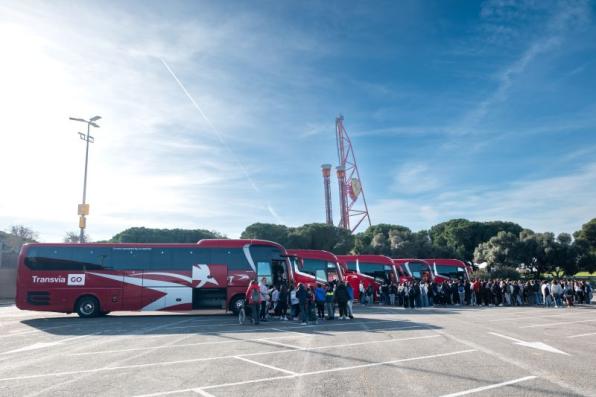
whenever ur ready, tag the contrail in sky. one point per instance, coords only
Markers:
(220, 137)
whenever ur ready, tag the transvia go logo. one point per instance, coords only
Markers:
(76, 279)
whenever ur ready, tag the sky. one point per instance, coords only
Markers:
(216, 115)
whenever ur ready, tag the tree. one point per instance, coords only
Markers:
(147, 235)
(23, 233)
(565, 256)
(318, 236)
(462, 236)
(321, 236)
(396, 241)
(266, 231)
(499, 251)
(73, 237)
(587, 233)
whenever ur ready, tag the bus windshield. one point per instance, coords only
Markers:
(455, 272)
(381, 273)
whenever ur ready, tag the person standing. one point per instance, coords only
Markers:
(320, 301)
(392, 294)
(370, 295)
(350, 300)
(302, 296)
(253, 298)
(362, 293)
(557, 292)
(264, 298)
(461, 291)
(283, 302)
(329, 302)
(275, 301)
(294, 307)
(341, 297)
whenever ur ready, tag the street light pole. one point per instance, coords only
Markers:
(84, 207)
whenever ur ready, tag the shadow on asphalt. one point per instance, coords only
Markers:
(221, 324)
(213, 324)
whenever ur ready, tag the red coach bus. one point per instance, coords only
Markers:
(369, 269)
(449, 269)
(416, 269)
(314, 266)
(95, 279)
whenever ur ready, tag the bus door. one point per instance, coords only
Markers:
(210, 277)
(129, 263)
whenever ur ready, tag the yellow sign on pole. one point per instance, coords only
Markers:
(82, 222)
(83, 209)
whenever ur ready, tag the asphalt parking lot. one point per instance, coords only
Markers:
(385, 351)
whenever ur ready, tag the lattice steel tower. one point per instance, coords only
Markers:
(350, 184)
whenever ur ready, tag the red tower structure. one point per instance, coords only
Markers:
(350, 185)
(326, 169)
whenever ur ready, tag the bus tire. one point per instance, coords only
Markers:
(87, 307)
(236, 303)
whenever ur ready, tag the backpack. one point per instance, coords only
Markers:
(254, 295)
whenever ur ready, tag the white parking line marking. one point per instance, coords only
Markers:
(554, 324)
(266, 365)
(523, 317)
(42, 345)
(580, 335)
(494, 386)
(33, 331)
(194, 360)
(298, 375)
(222, 342)
(298, 334)
(533, 345)
(203, 393)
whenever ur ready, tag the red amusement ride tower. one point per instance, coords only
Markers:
(352, 202)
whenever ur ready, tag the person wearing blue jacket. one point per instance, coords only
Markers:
(350, 300)
(320, 300)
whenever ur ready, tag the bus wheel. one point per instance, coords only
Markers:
(236, 303)
(87, 306)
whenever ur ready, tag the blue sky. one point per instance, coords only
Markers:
(483, 110)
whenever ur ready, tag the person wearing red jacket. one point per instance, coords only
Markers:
(253, 298)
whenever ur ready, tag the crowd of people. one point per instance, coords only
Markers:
(481, 292)
(309, 304)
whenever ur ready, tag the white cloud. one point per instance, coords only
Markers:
(155, 161)
(557, 203)
(415, 177)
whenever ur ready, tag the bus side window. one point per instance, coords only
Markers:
(91, 258)
(321, 275)
(131, 258)
(264, 270)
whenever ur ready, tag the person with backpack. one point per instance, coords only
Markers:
(320, 301)
(253, 298)
(461, 292)
(341, 297)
